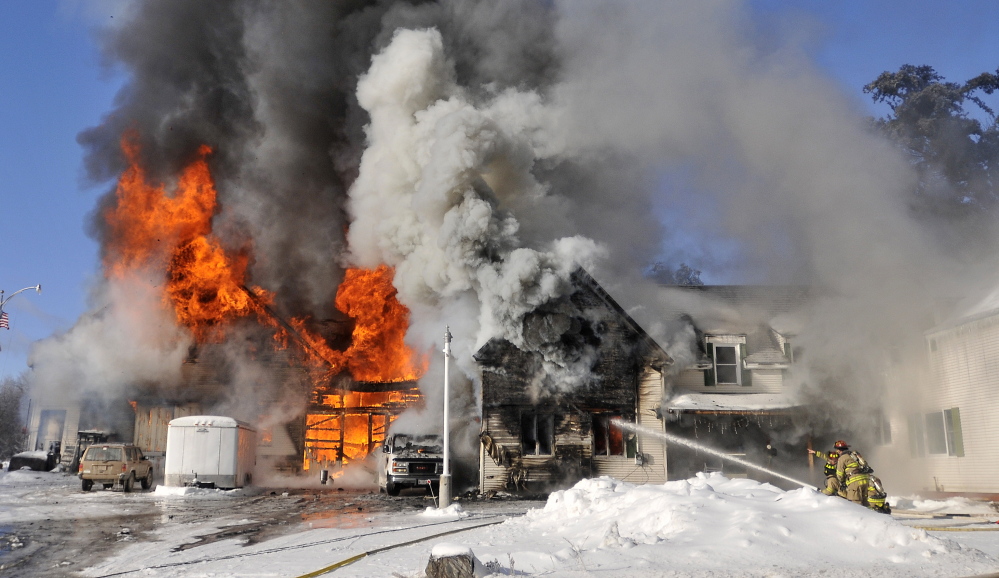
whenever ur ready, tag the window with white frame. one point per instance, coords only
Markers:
(727, 354)
(942, 432)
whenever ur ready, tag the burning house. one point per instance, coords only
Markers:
(543, 429)
(321, 391)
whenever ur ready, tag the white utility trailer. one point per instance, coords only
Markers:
(209, 451)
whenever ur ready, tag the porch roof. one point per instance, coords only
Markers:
(730, 402)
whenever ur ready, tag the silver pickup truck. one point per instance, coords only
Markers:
(410, 461)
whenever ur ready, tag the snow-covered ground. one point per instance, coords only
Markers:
(708, 525)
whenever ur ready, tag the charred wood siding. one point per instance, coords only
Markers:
(514, 384)
(508, 469)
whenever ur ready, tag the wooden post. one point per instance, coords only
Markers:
(811, 458)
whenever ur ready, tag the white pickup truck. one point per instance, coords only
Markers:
(410, 461)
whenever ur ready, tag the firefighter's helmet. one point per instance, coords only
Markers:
(841, 445)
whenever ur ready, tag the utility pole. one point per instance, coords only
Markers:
(445, 489)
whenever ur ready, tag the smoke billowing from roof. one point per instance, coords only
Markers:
(486, 149)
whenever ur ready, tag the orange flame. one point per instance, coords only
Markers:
(151, 227)
(378, 351)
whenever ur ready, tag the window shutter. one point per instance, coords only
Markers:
(916, 442)
(954, 428)
(747, 375)
(709, 374)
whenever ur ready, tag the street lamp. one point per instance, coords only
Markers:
(445, 487)
(3, 301)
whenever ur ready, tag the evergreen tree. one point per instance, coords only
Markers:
(956, 154)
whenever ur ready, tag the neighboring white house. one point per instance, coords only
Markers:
(951, 421)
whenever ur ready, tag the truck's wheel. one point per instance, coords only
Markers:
(147, 481)
(128, 483)
(87, 484)
(391, 489)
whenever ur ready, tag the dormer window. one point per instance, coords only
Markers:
(727, 365)
(726, 353)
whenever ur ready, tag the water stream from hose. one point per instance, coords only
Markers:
(701, 448)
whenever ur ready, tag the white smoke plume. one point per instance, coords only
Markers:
(433, 189)
(128, 338)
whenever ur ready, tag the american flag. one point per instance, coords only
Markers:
(3, 320)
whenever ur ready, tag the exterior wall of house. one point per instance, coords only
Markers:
(152, 423)
(651, 469)
(764, 381)
(514, 471)
(573, 453)
(964, 363)
(38, 440)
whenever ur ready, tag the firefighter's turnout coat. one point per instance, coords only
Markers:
(833, 486)
(850, 476)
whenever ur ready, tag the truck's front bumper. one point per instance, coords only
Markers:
(414, 481)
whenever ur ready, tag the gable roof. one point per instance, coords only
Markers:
(582, 278)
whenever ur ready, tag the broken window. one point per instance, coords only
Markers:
(610, 440)
(537, 433)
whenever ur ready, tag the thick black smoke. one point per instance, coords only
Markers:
(271, 88)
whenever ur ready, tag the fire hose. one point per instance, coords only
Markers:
(353, 559)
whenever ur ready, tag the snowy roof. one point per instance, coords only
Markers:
(207, 420)
(767, 357)
(730, 402)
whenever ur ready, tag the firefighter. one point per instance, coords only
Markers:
(877, 497)
(852, 475)
(833, 487)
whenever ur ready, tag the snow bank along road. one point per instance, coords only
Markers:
(704, 526)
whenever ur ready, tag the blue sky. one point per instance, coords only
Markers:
(52, 86)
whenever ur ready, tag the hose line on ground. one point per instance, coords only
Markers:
(353, 559)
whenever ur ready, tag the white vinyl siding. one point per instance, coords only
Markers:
(965, 368)
(653, 470)
(764, 381)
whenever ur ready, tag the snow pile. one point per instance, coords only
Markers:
(452, 511)
(713, 522)
(954, 505)
(192, 492)
(31, 477)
